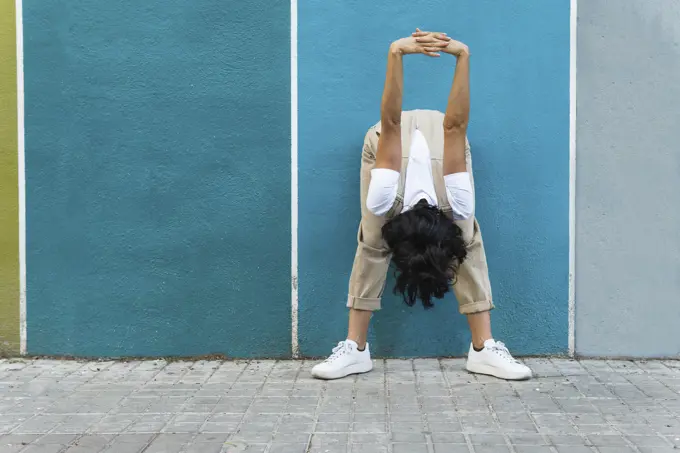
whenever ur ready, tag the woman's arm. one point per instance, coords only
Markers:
(458, 183)
(389, 144)
(457, 111)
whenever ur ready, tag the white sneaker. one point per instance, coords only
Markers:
(346, 359)
(495, 360)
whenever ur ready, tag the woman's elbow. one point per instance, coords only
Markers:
(455, 124)
(390, 121)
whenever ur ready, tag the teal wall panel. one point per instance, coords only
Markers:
(519, 131)
(158, 177)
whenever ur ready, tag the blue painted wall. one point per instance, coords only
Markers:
(520, 141)
(158, 177)
(158, 171)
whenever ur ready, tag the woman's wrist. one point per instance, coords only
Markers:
(396, 49)
(465, 53)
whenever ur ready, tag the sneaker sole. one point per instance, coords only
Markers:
(496, 372)
(358, 368)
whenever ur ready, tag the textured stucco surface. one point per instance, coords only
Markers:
(9, 197)
(519, 134)
(158, 172)
(628, 178)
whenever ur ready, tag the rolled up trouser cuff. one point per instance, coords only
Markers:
(476, 307)
(361, 303)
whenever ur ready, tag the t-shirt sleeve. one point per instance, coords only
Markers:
(382, 190)
(460, 195)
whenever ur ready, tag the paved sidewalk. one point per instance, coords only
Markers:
(403, 406)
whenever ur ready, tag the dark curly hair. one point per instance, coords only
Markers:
(427, 249)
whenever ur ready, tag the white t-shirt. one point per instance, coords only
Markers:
(419, 184)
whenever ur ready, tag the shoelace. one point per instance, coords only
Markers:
(500, 349)
(340, 350)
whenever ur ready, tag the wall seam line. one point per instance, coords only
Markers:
(21, 175)
(295, 347)
(573, 16)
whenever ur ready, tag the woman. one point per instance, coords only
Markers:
(418, 212)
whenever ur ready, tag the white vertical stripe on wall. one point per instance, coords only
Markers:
(22, 175)
(295, 347)
(572, 174)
